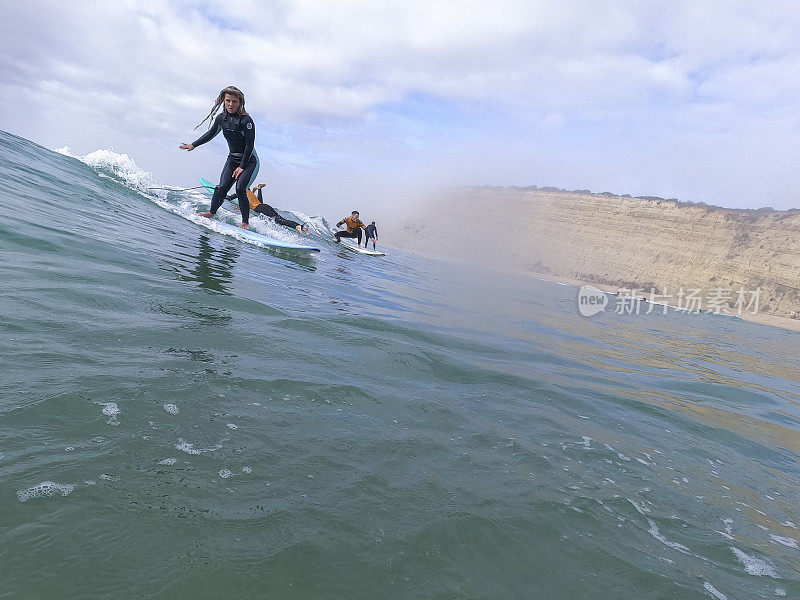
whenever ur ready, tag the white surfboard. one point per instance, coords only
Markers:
(361, 250)
(258, 238)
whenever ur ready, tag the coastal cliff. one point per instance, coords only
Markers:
(616, 241)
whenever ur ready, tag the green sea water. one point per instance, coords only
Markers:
(185, 415)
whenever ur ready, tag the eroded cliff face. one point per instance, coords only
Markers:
(616, 241)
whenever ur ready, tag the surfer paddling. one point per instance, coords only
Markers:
(258, 205)
(354, 227)
(265, 209)
(242, 163)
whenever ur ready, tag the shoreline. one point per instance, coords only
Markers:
(758, 318)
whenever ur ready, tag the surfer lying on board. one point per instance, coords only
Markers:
(257, 204)
(370, 235)
(242, 163)
(265, 209)
(354, 227)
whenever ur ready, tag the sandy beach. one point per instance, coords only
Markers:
(618, 243)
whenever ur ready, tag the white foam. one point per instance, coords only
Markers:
(45, 489)
(120, 166)
(108, 477)
(225, 473)
(247, 470)
(186, 447)
(714, 592)
(786, 541)
(232, 426)
(168, 461)
(190, 449)
(641, 509)
(587, 442)
(753, 565)
(728, 524)
(674, 545)
(171, 409)
(789, 524)
(780, 592)
(110, 409)
(623, 457)
(316, 224)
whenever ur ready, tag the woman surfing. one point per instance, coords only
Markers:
(242, 163)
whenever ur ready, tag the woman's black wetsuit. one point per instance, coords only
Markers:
(268, 211)
(240, 133)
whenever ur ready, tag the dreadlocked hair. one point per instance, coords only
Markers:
(233, 91)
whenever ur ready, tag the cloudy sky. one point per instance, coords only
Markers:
(694, 100)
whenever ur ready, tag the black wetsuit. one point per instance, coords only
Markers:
(240, 133)
(372, 232)
(349, 234)
(268, 211)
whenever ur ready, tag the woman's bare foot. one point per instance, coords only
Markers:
(206, 214)
(243, 226)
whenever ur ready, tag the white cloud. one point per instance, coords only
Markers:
(666, 97)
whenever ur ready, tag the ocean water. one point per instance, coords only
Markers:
(186, 415)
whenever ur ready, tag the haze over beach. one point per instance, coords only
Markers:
(213, 396)
(649, 247)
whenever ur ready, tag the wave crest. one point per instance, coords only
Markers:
(119, 166)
